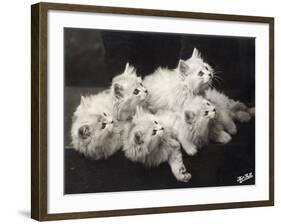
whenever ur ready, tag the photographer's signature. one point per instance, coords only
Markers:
(245, 177)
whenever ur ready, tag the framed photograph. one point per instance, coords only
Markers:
(138, 111)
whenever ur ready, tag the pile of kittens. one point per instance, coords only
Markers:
(151, 119)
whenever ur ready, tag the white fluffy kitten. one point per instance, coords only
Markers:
(97, 122)
(148, 142)
(128, 92)
(195, 125)
(94, 131)
(169, 89)
(230, 110)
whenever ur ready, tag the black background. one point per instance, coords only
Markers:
(94, 57)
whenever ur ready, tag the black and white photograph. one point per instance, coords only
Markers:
(145, 111)
(132, 112)
(154, 111)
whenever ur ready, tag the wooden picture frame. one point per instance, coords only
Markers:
(39, 108)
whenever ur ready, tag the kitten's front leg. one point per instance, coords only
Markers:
(221, 137)
(188, 147)
(226, 121)
(177, 166)
(230, 127)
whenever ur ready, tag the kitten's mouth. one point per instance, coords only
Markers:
(161, 130)
(210, 114)
(156, 131)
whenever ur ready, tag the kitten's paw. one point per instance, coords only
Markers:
(182, 169)
(231, 128)
(243, 116)
(174, 143)
(186, 177)
(183, 175)
(191, 150)
(223, 137)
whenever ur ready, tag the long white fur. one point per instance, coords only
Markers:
(94, 131)
(122, 90)
(147, 141)
(173, 90)
(231, 110)
(118, 103)
(195, 125)
(170, 89)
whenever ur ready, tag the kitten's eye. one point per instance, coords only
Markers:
(200, 73)
(136, 91)
(103, 125)
(155, 122)
(208, 104)
(154, 132)
(141, 84)
(104, 114)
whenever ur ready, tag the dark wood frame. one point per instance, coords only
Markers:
(39, 110)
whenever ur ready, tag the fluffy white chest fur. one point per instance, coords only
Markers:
(169, 89)
(166, 90)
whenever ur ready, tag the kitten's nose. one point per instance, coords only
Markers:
(210, 75)
(214, 110)
(146, 91)
(112, 122)
(162, 129)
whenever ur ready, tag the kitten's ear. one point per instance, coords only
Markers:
(196, 53)
(189, 116)
(118, 90)
(129, 68)
(183, 67)
(84, 131)
(83, 101)
(138, 137)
